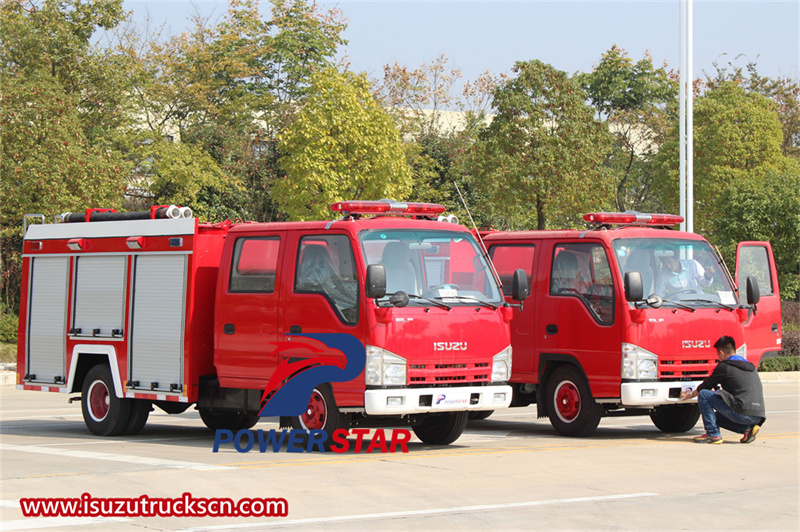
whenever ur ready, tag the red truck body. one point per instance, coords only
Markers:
(583, 348)
(173, 312)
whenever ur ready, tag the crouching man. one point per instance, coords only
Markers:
(739, 405)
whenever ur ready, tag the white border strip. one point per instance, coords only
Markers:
(126, 458)
(414, 513)
(36, 523)
(159, 227)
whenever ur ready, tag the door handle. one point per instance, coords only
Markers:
(295, 329)
(775, 327)
(551, 329)
(229, 328)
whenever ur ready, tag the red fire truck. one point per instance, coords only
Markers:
(624, 315)
(138, 309)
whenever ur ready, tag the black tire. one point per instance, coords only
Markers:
(248, 421)
(140, 411)
(222, 420)
(104, 413)
(480, 414)
(441, 429)
(321, 414)
(570, 405)
(676, 418)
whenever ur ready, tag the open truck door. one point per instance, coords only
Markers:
(763, 328)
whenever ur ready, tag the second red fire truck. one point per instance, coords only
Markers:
(624, 315)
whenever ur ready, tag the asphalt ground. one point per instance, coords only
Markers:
(511, 471)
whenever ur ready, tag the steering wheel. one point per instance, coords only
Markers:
(683, 291)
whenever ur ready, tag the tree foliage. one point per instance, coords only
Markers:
(541, 150)
(342, 145)
(632, 98)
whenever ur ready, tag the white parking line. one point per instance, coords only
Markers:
(414, 513)
(126, 458)
(36, 523)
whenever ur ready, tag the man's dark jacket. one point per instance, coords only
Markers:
(741, 386)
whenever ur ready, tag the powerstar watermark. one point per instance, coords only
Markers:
(287, 394)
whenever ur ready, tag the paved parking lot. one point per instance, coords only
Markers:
(510, 471)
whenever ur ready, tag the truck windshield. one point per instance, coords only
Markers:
(678, 270)
(443, 266)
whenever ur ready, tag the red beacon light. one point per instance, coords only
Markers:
(633, 218)
(387, 207)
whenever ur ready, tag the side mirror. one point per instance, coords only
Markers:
(634, 289)
(753, 293)
(519, 285)
(376, 281)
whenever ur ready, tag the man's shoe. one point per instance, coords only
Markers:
(750, 435)
(705, 438)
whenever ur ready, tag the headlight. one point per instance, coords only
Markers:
(638, 363)
(501, 365)
(742, 351)
(384, 368)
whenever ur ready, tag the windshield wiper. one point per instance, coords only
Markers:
(679, 305)
(471, 299)
(431, 301)
(721, 304)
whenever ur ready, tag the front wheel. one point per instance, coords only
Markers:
(441, 429)
(104, 413)
(570, 405)
(676, 418)
(321, 414)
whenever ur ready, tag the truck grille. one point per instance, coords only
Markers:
(678, 369)
(449, 373)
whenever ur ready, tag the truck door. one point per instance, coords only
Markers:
(247, 311)
(507, 258)
(762, 331)
(322, 296)
(579, 311)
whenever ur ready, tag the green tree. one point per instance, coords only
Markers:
(632, 98)
(765, 207)
(342, 145)
(58, 103)
(539, 156)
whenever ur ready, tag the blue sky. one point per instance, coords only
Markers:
(480, 36)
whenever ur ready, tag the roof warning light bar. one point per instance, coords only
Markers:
(633, 218)
(388, 207)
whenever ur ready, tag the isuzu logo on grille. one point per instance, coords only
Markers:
(449, 346)
(693, 344)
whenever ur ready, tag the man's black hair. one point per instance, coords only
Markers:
(726, 344)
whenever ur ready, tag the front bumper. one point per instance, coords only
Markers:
(423, 400)
(655, 393)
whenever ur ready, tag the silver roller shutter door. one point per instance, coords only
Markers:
(47, 323)
(158, 317)
(99, 294)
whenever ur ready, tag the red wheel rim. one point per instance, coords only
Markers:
(567, 401)
(98, 401)
(317, 412)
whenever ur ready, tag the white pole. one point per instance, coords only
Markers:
(690, 119)
(682, 114)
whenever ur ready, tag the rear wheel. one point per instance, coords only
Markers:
(570, 405)
(140, 411)
(441, 429)
(675, 418)
(104, 413)
(222, 420)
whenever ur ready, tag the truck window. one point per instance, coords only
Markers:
(325, 266)
(583, 271)
(753, 260)
(509, 258)
(255, 263)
